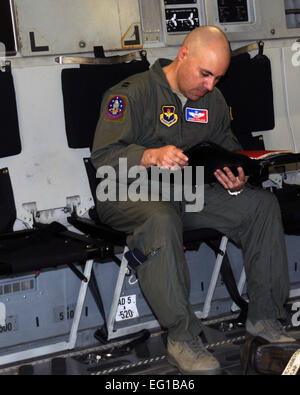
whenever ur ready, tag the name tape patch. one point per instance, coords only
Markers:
(196, 115)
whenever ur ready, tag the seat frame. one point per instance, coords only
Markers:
(103, 248)
(113, 333)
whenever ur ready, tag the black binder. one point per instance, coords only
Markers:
(213, 157)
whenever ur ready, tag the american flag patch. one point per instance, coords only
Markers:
(196, 115)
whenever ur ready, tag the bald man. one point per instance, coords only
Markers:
(148, 119)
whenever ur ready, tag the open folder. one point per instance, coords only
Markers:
(213, 156)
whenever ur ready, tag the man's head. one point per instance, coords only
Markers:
(202, 60)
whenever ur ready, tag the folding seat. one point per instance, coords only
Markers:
(45, 247)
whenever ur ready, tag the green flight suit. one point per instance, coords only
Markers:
(142, 112)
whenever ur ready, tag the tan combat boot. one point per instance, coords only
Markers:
(191, 357)
(270, 330)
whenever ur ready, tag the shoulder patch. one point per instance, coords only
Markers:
(116, 107)
(168, 116)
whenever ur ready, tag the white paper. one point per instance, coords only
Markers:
(127, 308)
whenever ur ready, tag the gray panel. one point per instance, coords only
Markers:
(293, 252)
(151, 21)
(74, 26)
(45, 311)
(268, 21)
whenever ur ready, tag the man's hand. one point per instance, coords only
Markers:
(230, 181)
(168, 156)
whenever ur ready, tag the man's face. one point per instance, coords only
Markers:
(198, 75)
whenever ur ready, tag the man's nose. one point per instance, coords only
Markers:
(210, 83)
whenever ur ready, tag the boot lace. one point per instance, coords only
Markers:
(196, 347)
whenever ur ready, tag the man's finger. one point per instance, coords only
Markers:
(241, 175)
(222, 178)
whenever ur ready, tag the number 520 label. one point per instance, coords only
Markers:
(127, 308)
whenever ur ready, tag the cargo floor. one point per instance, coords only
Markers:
(223, 337)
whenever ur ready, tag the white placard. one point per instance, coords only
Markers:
(2, 314)
(127, 308)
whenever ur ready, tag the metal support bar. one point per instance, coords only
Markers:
(100, 61)
(214, 278)
(117, 294)
(292, 11)
(79, 305)
(77, 272)
(240, 286)
(246, 48)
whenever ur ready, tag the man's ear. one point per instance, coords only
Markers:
(182, 53)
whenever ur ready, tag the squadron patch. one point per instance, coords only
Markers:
(196, 115)
(116, 107)
(168, 116)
